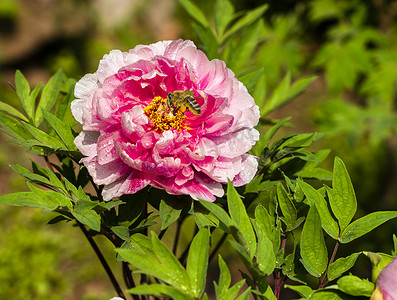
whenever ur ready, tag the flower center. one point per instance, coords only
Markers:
(164, 118)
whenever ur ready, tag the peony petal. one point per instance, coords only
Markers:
(110, 64)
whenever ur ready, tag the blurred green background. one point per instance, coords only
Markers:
(351, 46)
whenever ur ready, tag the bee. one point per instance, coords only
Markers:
(183, 100)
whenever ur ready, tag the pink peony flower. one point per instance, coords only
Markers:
(386, 284)
(132, 137)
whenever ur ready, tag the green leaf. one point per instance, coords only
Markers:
(395, 244)
(160, 290)
(355, 286)
(218, 211)
(302, 140)
(240, 51)
(32, 98)
(312, 248)
(45, 139)
(207, 37)
(302, 290)
(245, 295)
(12, 111)
(60, 199)
(341, 265)
(246, 20)
(314, 197)
(240, 218)
(224, 278)
(256, 185)
(342, 198)
(63, 130)
(329, 294)
(122, 232)
(31, 176)
(23, 91)
(264, 221)
(170, 263)
(223, 15)
(147, 263)
(205, 220)
(285, 92)
(366, 224)
(83, 205)
(287, 207)
(141, 243)
(63, 111)
(222, 290)
(168, 214)
(251, 79)
(272, 131)
(49, 199)
(194, 12)
(197, 262)
(28, 199)
(265, 256)
(49, 96)
(89, 218)
(13, 127)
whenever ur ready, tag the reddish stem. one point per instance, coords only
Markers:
(324, 280)
(279, 283)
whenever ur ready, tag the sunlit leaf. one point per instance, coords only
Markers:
(48, 96)
(355, 286)
(341, 265)
(365, 224)
(240, 218)
(312, 248)
(197, 262)
(194, 12)
(342, 197)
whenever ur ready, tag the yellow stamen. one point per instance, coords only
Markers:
(163, 118)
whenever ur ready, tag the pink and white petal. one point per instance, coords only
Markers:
(225, 168)
(106, 110)
(111, 191)
(106, 149)
(204, 189)
(77, 107)
(248, 170)
(165, 144)
(236, 143)
(110, 64)
(146, 52)
(86, 142)
(106, 174)
(85, 87)
(184, 175)
(174, 49)
(134, 182)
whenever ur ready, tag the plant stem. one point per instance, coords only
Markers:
(218, 245)
(324, 280)
(102, 260)
(279, 284)
(129, 281)
(161, 234)
(47, 161)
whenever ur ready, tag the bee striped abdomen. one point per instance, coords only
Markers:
(192, 104)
